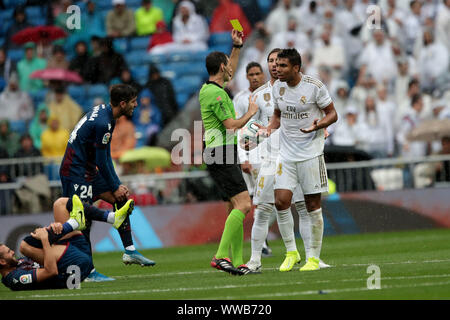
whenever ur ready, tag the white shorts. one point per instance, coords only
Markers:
(310, 174)
(264, 190)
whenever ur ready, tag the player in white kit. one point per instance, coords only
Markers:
(302, 110)
(248, 159)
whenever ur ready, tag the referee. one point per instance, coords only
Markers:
(220, 154)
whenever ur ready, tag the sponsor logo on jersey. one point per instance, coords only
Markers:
(25, 279)
(106, 138)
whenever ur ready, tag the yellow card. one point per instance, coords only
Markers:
(236, 25)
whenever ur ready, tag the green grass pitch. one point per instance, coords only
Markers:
(412, 264)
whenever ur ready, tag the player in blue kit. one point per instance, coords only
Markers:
(88, 171)
(52, 253)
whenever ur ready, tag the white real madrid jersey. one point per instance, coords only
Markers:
(264, 100)
(299, 106)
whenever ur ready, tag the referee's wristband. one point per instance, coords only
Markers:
(237, 46)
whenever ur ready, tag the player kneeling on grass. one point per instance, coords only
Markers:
(53, 253)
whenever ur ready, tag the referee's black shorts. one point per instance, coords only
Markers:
(226, 174)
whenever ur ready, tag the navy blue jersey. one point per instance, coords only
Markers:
(23, 277)
(88, 150)
(77, 253)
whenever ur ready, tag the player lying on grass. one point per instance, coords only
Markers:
(53, 253)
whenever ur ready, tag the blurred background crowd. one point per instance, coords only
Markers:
(385, 64)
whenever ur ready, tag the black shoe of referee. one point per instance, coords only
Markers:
(225, 264)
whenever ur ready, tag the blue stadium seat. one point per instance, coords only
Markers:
(52, 171)
(38, 21)
(199, 56)
(155, 58)
(220, 38)
(187, 84)
(265, 5)
(78, 93)
(139, 43)
(16, 54)
(140, 73)
(104, 4)
(226, 48)
(121, 45)
(138, 57)
(38, 96)
(13, 3)
(182, 98)
(180, 56)
(97, 90)
(189, 68)
(35, 12)
(134, 4)
(19, 126)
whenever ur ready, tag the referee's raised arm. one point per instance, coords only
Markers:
(238, 41)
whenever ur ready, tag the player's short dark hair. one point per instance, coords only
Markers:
(277, 50)
(292, 55)
(214, 60)
(252, 65)
(122, 92)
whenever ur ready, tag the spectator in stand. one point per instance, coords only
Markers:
(108, 65)
(9, 140)
(377, 58)
(54, 139)
(146, 17)
(126, 78)
(164, 94)
(92, 21)
(412, 26)
(433, 62)
(291, 38)
(442, 169)
(348, 131)
(20, 22)
(147, 119)
(341, 97)
(330, 54)
(120, 20)
(96, 49)
(15, 104)
(58, 59)
(443, 24)
(189, 28)
(7, 66)
(64, 108)
(226, 11)
(161, 39)
(123, 137)
(39, 124)
(80, 61)
(377, 136)
(27, 66)
(385, 105)
(402, 80)
(28, 150)
(410, 121)
(278, 18)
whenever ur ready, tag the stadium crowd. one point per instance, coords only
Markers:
(385, 63)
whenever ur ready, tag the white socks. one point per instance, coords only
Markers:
(260, 229)
(316, 221)
(311, 229)
(286, 227)
(111, 217)
(304, 226)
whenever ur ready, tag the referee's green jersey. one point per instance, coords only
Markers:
(216, 106)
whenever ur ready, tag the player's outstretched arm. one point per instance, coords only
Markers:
(330, 118)
(235, 124)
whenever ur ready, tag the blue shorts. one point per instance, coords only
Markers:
(78, 253)
(87, 191)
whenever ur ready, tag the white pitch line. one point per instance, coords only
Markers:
(327, 291)
(165, 274)
(236, 286)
